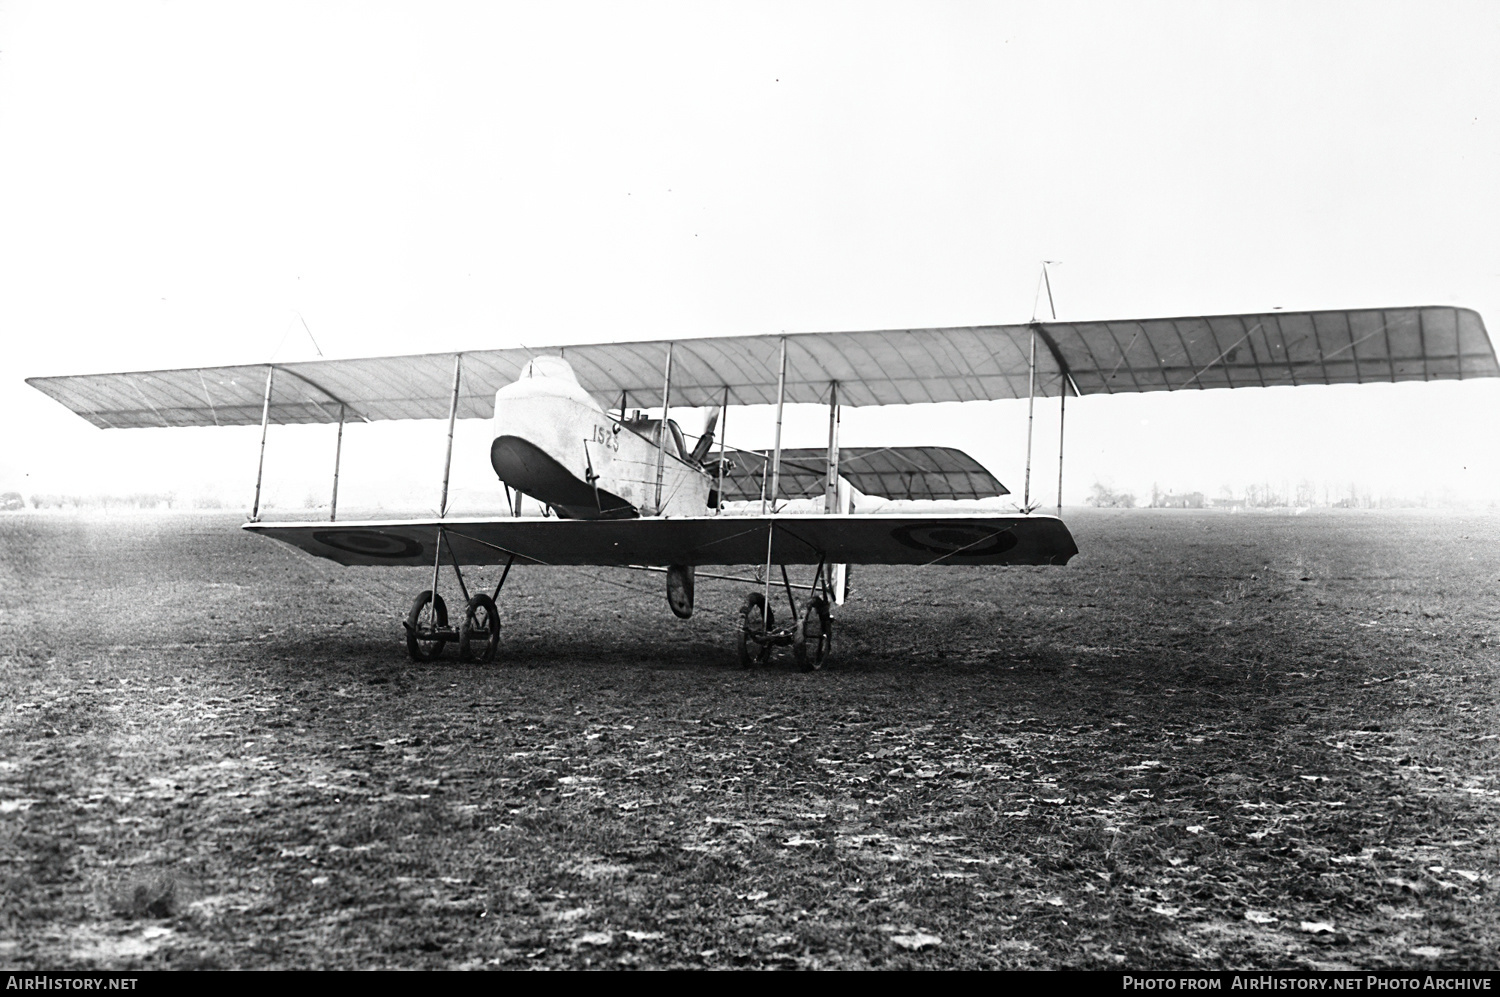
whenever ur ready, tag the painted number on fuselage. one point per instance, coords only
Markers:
(605, 438)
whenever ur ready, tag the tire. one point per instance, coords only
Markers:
(479, 633)
(752, 622)
(425, 650)
(680, 590)
(813, 641)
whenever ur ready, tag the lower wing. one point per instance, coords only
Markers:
(707, 540)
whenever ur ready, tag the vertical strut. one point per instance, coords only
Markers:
(1062, 421)
(780, 404)
(791, 600)
(503, 575)
(338, 452)
(831, 486)
(723, 438)
(765, 616)
(661, 450)
(775, 479)
(1062, 408)
(436, 563)
(453, 558)
(458, 370)
(265, 420)
(1030, 416)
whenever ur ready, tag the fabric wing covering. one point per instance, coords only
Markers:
(890, 472)
(892, 367)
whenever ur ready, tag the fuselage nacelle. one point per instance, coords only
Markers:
(555, 443)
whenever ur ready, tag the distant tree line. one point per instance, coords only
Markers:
(1103, 497)
(1175, 500)
(1304, 494)
(135, 500)
(1308, 494)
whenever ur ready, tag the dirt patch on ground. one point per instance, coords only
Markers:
(1214, 741)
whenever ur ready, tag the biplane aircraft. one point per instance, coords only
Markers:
(626, 490)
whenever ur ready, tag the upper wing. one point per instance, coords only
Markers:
(901, 366)
(876, 539)
(891, 472)
(1242, 351)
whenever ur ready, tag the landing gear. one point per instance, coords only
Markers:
(680, 590)
(478, 633)
(427, 627)
(756, 635)
(814, 635)
(810, 636)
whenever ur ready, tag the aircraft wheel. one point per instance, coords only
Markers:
(813, 641)
(419, 648)
(680, 590)
(755, 620)
(479, 633)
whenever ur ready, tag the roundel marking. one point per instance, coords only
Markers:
(368, 544)
(958, 541)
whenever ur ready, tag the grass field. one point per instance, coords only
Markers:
(1213, 741)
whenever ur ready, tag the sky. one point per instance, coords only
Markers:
(188, 184)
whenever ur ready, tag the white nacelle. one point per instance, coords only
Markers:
(554, 442)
